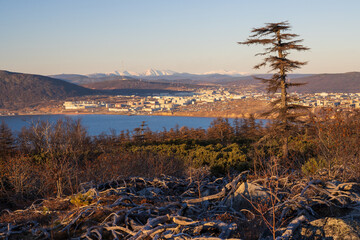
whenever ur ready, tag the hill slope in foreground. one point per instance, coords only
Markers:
(19, 90)
(172, 208)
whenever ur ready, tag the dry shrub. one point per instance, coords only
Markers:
(198, 175)
(109, 166)
(19, 177)
(60, 176)
(338, 136)
(24, 178)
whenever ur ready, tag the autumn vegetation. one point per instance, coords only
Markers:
(54, 160)
(48, 159)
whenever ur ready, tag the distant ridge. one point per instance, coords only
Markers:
(121, 83)
(18, 90)
(73, 78)
(338, 82)
(148, 73)
(151, 74)
(213, 77)
(85, 79)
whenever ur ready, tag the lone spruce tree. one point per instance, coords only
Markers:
(278, 44)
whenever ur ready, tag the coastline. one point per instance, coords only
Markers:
(209, 115)
(232, 109)
(165, 114)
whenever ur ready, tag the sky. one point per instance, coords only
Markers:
(195, 36)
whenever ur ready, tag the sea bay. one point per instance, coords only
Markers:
(96, 124)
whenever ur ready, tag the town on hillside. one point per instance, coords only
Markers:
(202, 100)
(165, 102)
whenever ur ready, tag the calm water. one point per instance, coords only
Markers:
(97, 124)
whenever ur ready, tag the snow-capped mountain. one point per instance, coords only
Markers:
(154, 72)
(158, 73)
(127, 73)
(102, 75)
(147, 73)
(226, 72)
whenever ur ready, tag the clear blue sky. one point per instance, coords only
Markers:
(87, 36)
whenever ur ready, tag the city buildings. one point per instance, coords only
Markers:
(166, 103)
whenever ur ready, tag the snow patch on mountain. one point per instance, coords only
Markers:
(101, 75)
(127, 73)
(227, 72)
(154, 72)
(159, 73)
(149, 72)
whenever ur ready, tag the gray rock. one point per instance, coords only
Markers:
(150, 192)
(329, 228)
(246, 195)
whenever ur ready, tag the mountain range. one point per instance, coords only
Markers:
(340, 82)
(116, 83)
(151, 74)
(19, 90)
(159, 73)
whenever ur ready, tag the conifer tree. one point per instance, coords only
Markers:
(6, 141)
(278, 44)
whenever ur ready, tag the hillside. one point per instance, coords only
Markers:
(84, 79)
(340, 82)
(18, 90)
(168, 207)
(73, 78)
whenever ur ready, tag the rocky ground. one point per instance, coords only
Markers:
(206, 208)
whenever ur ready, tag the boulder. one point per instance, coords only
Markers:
(246, 195)
(150, 192)
(328, 228)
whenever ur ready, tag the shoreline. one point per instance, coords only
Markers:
(207, 115)
(165, 114)
(231, 109)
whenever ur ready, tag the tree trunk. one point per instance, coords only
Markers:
(283, 103)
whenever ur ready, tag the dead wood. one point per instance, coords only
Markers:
(169, 208)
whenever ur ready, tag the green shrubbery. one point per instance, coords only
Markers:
(313, 166)
(80, 199)
(220, 158)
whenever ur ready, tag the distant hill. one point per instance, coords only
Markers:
(85, 79)
(185, 78)
(18, 90)
(340, 82)
(250, 83)
(73, 78)
(121, 83)
(210, 78)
